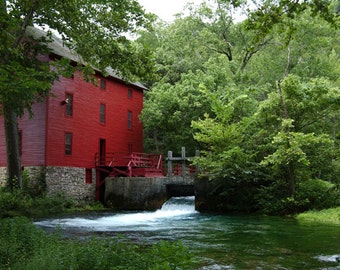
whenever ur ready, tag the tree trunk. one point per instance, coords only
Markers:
(12, 147)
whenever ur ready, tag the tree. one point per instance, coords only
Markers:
(305, 136)
(261, 142)
(278, 147)
(96, 30)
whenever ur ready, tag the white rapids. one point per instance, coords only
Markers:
(174, 209)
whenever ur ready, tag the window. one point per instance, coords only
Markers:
(88, 176)
(129, 93)
(68, 143)
(68, 104)
(102, 84)
(129, 120)
(102, 113)
(102, 151)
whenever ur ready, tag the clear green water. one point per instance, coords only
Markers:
(220, 241)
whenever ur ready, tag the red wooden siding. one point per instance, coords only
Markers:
(32, 138)
(85, 123)
(44, 135)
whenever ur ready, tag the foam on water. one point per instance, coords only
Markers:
(175, 208)
(329, 258)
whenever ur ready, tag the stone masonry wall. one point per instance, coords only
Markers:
(70, 182)
(34, 174)
(3, 176)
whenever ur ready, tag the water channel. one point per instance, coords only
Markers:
(220, 241)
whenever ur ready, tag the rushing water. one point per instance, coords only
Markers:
(220, 241)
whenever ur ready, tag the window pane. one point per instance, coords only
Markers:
(69, 105)
(102, 84)
(129, 93)
(102, 113)
(68, 143)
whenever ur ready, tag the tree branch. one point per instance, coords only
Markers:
(25, 23)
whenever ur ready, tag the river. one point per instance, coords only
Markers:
(220, 241)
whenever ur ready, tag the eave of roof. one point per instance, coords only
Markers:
(58, 48)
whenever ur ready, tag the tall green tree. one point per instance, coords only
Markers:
(95, 29)
(279, 145)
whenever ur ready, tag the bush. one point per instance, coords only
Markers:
(13, 203)
(23, 246)
(317, 194)
(310, 194)
(51, 205)
(19, 238)
(17, 202)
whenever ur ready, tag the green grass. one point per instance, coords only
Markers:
(331, 216)
(24, 247)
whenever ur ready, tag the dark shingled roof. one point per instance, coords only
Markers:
(59, 48)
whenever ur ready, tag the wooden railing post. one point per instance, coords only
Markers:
(183, 161)
(169, 163)
(183, 164)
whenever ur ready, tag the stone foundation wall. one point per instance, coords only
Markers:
(70, 182)
(34, 174)
(3, 176)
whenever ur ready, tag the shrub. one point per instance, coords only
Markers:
(317, 194)
(13, 202)
(23, 246)
(19, 238)
(17, 202)
(310, 194)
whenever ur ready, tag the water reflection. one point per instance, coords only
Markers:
(222, 242)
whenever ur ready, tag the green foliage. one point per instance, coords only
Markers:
(12, 201)
(330, 216)
(289, 159)
(51, 205)
(18, 202)
(310, 194)
(261, 98)
(96, 30)
(34, 186)
(319, 194)
(23, 246)
(19, 239)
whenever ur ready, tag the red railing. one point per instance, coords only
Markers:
(130, 164)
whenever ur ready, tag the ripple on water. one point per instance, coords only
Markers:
(220, 241)
(329, 258)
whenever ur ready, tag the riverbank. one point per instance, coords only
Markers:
(23, 246)
(330, 216)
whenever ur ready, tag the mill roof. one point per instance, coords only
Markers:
(58, 47)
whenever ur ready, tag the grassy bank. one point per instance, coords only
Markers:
(20, 203)
(23, 246)
(331, 216)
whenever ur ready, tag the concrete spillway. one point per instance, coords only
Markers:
(143, 193)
